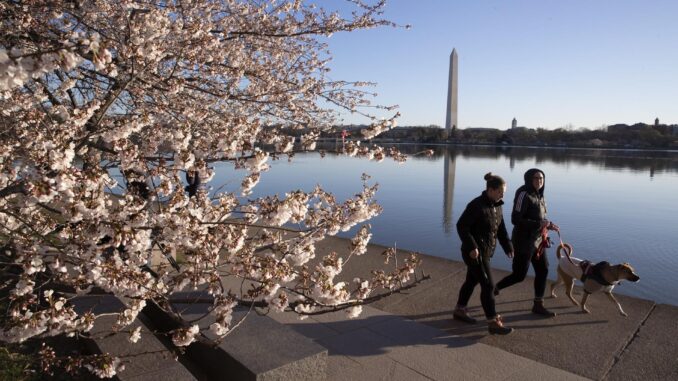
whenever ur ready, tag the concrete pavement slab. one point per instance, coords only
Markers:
(539, 372)
(428, 301)
(374, 351)
(149, 358)
(361, 345)
(476, 361)
(442, 356)
(260, 349)
(343, 368)
(653, 352)
(405, 332)
(407, 346)
(164, 374)
(340, 322)
(308, 327)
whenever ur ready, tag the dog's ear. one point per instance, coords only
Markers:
(626, 266)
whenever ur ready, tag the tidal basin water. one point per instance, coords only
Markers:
(617, 206)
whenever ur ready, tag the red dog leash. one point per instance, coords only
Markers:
(545, 243)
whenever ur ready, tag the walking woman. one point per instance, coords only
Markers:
(529, 238)
(479, 227)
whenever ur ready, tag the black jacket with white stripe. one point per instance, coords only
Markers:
(529, 210)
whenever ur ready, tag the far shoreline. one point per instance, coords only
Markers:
(532, 146)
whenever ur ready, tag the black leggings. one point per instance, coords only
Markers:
(521, 263)
(479, 272)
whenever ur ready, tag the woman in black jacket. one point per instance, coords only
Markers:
(529, 221)
(479, 227)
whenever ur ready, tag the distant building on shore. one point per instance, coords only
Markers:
(514, 123)
(671, 129)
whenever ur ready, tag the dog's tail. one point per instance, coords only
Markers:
(568, 251)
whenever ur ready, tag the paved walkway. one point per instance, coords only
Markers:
(382, 346)
(412, 336)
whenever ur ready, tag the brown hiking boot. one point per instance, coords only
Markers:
(461, 314)
(496, 327)
(539, 309)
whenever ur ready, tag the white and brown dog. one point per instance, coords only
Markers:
(596, 277)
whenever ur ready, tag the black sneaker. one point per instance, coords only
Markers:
(496, 327)
(539, 309)
(463, 316)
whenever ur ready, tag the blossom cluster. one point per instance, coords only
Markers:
(101, 365)
(57, 318)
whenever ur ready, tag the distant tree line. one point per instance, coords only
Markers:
(639, 135)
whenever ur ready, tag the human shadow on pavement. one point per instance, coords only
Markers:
(374, 335)
(443, 320)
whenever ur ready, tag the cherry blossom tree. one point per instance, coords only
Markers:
(112, 113)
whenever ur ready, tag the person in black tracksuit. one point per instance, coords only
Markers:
(529, 218)
(479, 226)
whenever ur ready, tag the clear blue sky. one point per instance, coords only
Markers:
(549, 63)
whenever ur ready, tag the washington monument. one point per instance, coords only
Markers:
(451, 120)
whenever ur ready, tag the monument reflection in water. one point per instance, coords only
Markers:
(618, 206)
(448, 190)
